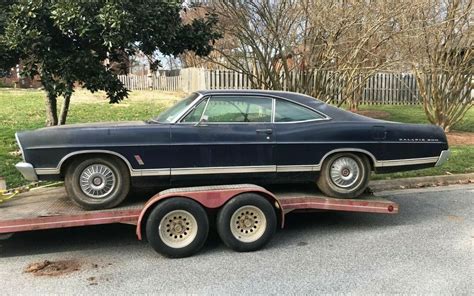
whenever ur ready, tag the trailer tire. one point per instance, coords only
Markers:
(177, 227)
(247, 222)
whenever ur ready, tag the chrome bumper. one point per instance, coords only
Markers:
(27, 170)
(443, 157)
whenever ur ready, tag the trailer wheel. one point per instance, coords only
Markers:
(247, 222)
(177, 227)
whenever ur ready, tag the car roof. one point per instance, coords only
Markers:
(328, 110)
(297, 97)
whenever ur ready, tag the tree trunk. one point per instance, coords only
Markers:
(51, 110)
(65, 108)
(353, 105)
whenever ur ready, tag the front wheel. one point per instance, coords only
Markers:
(247, 222)
(344, 175)
(98, 182)
(177, 227)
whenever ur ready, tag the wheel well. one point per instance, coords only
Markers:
(65, 164)
(368, 156)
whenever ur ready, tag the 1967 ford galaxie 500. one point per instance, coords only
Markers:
(227, 136)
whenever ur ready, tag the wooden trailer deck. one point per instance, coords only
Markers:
(49, 208)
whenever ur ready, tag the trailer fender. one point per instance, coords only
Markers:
(210, 197)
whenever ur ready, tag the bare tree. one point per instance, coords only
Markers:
(357, 37)
(321, 48)
(442, 59)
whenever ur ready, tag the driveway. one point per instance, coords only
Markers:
(426, 248)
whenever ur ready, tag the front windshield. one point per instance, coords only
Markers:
(172, 113)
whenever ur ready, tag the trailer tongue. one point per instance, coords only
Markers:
(175, 221)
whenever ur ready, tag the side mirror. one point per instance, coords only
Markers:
(202, 121)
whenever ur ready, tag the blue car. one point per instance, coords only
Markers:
(228, 136)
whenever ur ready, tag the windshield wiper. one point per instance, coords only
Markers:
(152, 121)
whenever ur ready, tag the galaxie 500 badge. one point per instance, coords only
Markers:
(417, 140)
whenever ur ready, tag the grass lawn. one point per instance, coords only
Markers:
(415, 114)
(24, 109)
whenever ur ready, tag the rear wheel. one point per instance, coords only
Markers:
(98, 182)
(344, 175)
(247, 222)
(177, 227)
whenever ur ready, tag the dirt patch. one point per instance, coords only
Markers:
(460, 138)
(455, 218)
(374, 114)
(92, 281)
(53, 268)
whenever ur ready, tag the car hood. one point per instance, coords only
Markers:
(88, 134)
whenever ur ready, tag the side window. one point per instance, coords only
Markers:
(196, 113)
(239, 109)
(290, 112)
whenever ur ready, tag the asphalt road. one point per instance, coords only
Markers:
(426, 248)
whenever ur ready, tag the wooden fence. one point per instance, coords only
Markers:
(391, 88)
(163, 83)
(381, 88)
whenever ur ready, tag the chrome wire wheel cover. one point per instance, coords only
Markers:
(97, 180)
(248, 224)
(178, 229)
(345, 172)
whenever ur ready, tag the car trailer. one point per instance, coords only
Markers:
(176, 221)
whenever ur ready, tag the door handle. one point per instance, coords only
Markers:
(267, 131)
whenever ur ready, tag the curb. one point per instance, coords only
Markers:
(420, 182)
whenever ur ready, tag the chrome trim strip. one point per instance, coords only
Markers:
(298, 168)
(270, 96)
(404, 162)
(273, 110)
(185, 112)
(374, 160)
(225, 143)
(443, 157)
(154, 172)
(203, 111)
(49, 171)
(223, 170)
(132, 171)
(248, 169)
(57, 170)
(21, 148)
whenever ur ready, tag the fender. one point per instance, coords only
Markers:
(210, 197)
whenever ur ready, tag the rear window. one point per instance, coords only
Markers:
(290, 112)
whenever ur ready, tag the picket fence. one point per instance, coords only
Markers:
(143, 82)
(381, 88)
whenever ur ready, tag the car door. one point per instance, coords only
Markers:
(226, 136)
(298, 131)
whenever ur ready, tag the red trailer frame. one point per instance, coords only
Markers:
(50, 208)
